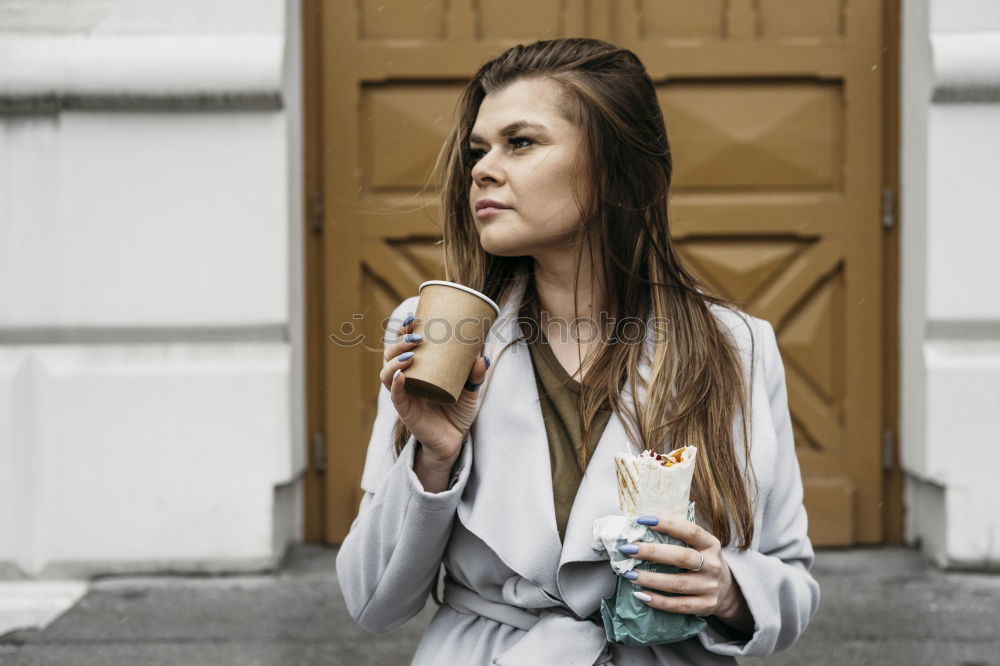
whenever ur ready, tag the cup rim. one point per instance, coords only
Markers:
(463, 288)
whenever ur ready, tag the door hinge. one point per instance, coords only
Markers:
(888, 207)
(316, 211)
(317, 451)
(888, 449)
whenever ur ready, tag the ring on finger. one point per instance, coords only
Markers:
(700, 564)
(469, 386)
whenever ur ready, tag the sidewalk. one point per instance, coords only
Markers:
(879, 606)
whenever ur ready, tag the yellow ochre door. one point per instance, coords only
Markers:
(773, 109)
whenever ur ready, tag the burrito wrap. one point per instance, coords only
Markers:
(651, 487)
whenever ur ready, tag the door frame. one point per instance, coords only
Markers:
(314, 477)
(892, 483)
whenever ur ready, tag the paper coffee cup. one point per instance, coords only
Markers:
(454, 321)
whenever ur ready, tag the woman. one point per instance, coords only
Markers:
(554, 195)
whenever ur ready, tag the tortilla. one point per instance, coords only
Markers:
(655, 484)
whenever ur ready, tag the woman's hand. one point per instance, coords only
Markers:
(440, 429)
(705, 588)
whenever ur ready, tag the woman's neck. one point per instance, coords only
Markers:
(553, 277)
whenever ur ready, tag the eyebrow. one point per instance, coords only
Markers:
(510, 130)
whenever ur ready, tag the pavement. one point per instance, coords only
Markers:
(879, 606)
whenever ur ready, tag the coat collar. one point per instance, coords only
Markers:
(508, 502)
(584, 575)
(508, 499)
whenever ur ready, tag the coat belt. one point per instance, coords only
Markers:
(554, 636)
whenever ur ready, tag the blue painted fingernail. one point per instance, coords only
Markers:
(487, 362)
(631, 575)
(414, 337)
(642, 596)
(648, 520)
(406, 356)
(406, 322)
(628, 549)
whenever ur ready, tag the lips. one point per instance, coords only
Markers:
(489, 207)
(489, 203)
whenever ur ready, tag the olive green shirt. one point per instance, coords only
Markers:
(559, 396)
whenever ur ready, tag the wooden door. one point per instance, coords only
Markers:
(773, 111)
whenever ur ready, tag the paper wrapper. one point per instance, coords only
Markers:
(627, 620)
(645, 487)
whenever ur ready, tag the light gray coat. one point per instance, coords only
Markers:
(516, 596)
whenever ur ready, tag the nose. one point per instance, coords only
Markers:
(487, 170)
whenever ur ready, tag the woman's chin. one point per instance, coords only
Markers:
(501, 247)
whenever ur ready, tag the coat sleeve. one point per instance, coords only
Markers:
(775, 576)
(389, 559)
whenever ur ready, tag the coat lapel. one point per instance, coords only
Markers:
(508, 501)
(585, 576)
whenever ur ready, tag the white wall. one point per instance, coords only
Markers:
(950, 314)
(151, 387)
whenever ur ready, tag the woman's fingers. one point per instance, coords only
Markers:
(678, 583)
(696, 589)
(406, 343)
(682, 605)
(388, 371)
(401, 341)
(477, 375)
(400, 353)
(662, 553)
(400, 398)
(690, 533)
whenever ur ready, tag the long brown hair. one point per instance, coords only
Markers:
(696, 386)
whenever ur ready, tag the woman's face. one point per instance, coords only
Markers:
(524, 153)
